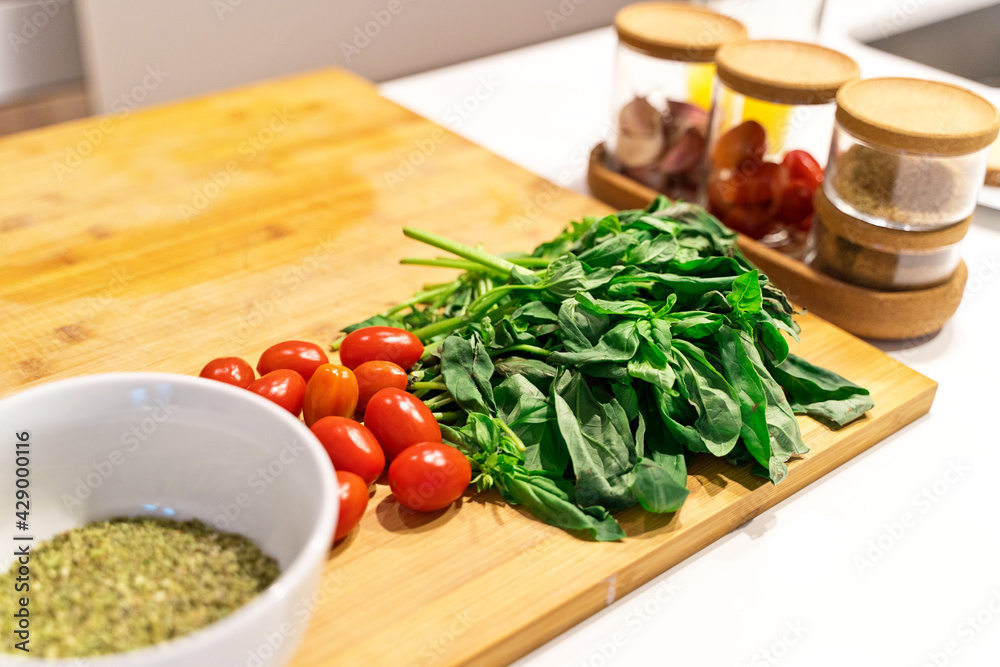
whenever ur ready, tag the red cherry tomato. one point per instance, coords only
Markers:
(351, 447)
(381, 344)
(762, 185)
(231, 370)
(399, 420)
(803, 166)
(284, 387)
(747, 142)
(429, 476)
(375, 375)
(295, 355)
(353, 501)
(752, 220)
(333, 390)
(796, 206)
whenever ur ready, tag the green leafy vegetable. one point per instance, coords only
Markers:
(580, 379)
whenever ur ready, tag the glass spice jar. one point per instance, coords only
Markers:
(662, 93)
(909, 154)
(772, 119)
(881, 258)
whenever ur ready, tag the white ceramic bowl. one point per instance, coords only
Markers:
(134, 444)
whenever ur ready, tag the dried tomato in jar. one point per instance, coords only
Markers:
(772, 121)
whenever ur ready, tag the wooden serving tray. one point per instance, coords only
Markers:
(864, 312)
(221, 225)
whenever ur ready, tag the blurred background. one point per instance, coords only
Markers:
(63, 59)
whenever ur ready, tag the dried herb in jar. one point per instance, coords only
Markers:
(905, 189)
(113, 586)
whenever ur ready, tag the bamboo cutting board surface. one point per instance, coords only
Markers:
(160, 239)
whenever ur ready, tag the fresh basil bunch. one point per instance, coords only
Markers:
(582, 378)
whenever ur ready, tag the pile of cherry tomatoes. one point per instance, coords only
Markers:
(754, 196)
(425, 474)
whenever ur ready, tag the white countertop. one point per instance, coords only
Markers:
(892, 559)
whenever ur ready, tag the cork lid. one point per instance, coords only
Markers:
(865, 234)
(917, 116)
(785, 72)
(676, 31)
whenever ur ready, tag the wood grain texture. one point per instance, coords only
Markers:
(224, 224)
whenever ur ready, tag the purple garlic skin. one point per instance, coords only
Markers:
(680, 116)
(662, 150)
(685, 153)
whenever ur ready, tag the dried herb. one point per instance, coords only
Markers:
(905, 189)
(117, 585)
(877, 269)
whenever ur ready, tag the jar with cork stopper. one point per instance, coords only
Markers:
(772, 119)
(662, 93)
(907, 161)
(909, 154)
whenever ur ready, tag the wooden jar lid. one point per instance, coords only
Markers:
(868, 235)
(785, 72)
(917, 116)
(676, 31)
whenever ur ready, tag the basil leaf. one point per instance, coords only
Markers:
(467, 369)
(599, 441)
(550, 499)
(821, 393)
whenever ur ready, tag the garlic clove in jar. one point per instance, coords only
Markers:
(640, 134)
(680, 116)
(686, 152)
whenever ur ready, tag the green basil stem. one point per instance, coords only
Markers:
(451, 263)
(427, 374)
(513, 436)
(482, 305)
(440, 386)
(466, 252)
(421, 297)
(432, 286)
(439, 401)
(439, 328)
(529, 262)
(530, 349)
(447, 416)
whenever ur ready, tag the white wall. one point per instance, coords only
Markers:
(204, 45)
(39, 45)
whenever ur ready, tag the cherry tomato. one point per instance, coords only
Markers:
(231, 370)
(801, 165)
(381, 344)
(796, 206)
(375, 375)
(295, 355)
(399, 420)
(762, 185)
(353, 502)
(333, 390)
(752, 220)
(429, 476)
(351, 447)
(745, 142)
(284, 387)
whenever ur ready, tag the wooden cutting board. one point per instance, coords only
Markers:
(218, 226)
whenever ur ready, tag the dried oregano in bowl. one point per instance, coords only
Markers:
(117, 585)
